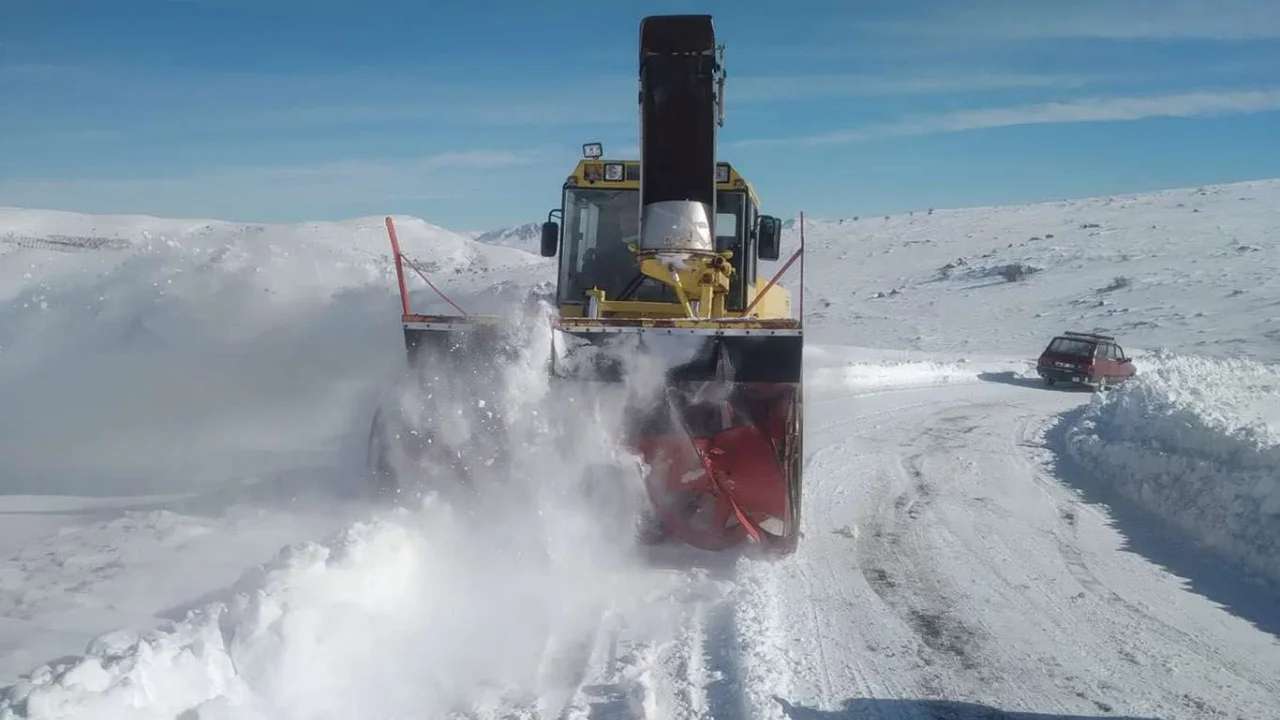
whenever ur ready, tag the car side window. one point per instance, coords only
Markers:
(1119, 353)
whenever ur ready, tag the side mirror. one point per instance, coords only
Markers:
(550, 238)
(769, 238)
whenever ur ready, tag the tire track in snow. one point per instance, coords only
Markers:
(898, 569)
(722, 660)
(694, 675)
(920, 534)
(833, 661)
(725, 690)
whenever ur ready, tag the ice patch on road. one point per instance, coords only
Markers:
(1197, 441)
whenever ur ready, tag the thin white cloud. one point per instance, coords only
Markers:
(1224, 20)
(1191, 104)
(608, 100)
(360, 170)
(772, 89)
(445, 109)
(223, 192)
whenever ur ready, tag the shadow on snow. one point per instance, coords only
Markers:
(927, 710)
(1207, 573)
(1009, 377)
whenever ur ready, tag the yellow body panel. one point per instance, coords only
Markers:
(706, 285)
(591, 173)
(775, 304)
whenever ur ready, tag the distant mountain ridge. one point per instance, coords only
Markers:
(525, 237)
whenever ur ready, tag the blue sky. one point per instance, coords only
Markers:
(470, 114)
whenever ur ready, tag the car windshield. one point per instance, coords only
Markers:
(1070, 346)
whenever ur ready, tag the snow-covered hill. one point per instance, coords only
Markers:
(185, 405)
(527, 237)
(1191, 270)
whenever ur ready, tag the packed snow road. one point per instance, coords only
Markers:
(951, 554)
(952, 567)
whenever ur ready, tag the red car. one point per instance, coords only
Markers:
(1085, 359)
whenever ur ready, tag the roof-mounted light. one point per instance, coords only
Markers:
(613, 172)
(722, 173)
(592, 150)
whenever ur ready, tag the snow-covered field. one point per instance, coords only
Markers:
(1192, 270)
(183, 533)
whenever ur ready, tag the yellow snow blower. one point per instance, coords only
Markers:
(661, 255)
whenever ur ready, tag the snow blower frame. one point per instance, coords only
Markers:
(659, 255)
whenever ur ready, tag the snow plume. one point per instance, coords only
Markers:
(479, 597)
(1197, 441)
(489, 428)
(529, 512)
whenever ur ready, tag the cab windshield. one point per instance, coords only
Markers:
(599, 224)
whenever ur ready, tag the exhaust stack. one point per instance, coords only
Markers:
(679, 112)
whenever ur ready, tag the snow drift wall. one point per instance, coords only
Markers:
(1196, 441)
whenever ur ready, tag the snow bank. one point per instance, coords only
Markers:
(875, 369)
(1197, 441)
(873, 376)
(398, 617)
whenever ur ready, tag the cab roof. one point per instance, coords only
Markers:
(596, 172)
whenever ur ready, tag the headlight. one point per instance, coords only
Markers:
(592, 150)
(613, 171)
(722, 173)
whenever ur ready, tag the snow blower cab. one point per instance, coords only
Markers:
(659, 257)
